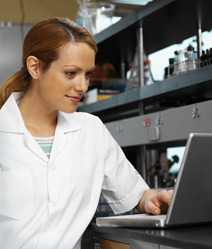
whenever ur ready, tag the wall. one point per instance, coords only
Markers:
(11, 38)
(31, 11)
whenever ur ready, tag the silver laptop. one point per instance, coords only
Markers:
(192, 198)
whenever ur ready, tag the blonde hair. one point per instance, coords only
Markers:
(43, 41)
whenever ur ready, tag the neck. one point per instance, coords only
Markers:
(38, 120)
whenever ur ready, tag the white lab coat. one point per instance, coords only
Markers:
(47, 204)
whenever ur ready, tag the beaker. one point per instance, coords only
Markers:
(100, 16)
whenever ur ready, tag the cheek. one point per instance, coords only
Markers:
(55, 84)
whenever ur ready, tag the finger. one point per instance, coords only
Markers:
(151, 208)
(159, 203)
(165, 196)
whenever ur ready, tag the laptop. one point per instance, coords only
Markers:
(191, 203)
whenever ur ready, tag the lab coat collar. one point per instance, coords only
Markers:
(10, 116)
(12, 121)
(67, 123)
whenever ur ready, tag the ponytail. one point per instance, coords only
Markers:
(17, 82)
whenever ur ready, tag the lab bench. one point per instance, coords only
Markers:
(195, 237)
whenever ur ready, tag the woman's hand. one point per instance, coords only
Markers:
(154, 202)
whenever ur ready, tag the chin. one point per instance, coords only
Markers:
(68, 110)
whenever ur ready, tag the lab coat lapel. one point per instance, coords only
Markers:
(66, 124)
(11, 121)
(10, 116)
(34, 146)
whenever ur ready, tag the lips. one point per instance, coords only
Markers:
(74, 99)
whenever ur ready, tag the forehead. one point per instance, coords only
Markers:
(75, 53)
(76, 49)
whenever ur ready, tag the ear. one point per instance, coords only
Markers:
(33, 66)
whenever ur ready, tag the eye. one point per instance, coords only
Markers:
(88, 74)
(70, 73)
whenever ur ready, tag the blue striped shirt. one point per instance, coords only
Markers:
(45, 144)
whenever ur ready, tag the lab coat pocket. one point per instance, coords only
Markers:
(16, 193)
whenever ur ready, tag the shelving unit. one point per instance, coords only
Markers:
(164, 22)
(181, 102)
(191, 87)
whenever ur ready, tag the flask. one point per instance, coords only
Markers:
(148, 78)
(133, 78)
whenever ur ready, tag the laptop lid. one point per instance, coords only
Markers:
(192, 198)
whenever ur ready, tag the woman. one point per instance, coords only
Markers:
(55, 162)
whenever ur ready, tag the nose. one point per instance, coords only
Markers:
(82, 84)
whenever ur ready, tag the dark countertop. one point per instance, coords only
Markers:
(195, 237)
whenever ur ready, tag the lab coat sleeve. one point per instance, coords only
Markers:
(122, 186)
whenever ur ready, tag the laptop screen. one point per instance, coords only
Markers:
(192, 198)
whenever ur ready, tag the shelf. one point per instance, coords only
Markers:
(164, 22)
(159, 24)
(193, 86)
(108, 41)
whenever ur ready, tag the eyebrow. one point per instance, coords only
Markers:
(78, 67)
(92, 68)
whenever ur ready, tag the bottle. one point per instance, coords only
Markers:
(210, 60)
(166, 73)
(181, 61)
(202, 59)
(171, 66)
(190, 58)
(207, 59)
(176, 54)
